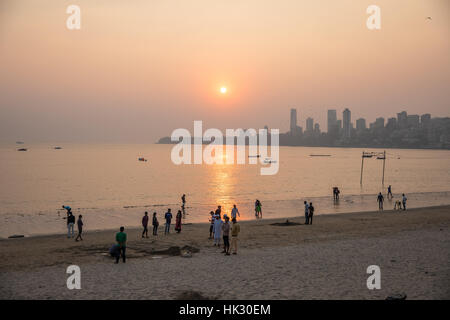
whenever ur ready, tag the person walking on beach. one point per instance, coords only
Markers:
(145, 224)
(155, 224)
(389, 193)
(235, 229)
(380, 200)
(311, 213)
(80, 228)
(235, 212)
(70, 224)
(121, 239)
(226, 233)
(168, 218)
(183, 200)
(178, 222)
(211, 226)
(217, 229)
(404, 201)
(306, 212)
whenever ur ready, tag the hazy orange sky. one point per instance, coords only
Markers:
(138, 69)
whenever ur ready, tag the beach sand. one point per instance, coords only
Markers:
(326, 260)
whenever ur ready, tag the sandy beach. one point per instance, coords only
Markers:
(326, 260)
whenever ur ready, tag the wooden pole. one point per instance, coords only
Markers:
(362, 167)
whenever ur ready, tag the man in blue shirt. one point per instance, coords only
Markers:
(168, 217)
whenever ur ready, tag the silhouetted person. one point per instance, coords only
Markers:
(404, 201)
(178, 222)
(211, 227)
(226, 235)
(306, 212)
(70, 224)
(80, 228)
(389, 194)
(121, 239)
(311, 212)
(155, 224)
(145, 224)
(168, 218)
(219, 211)
(183, 199)
(380, 200)
(235, 212)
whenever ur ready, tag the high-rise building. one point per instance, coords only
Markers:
(402, 121)
(379, 123)
(332, 121)
(309, 124)
(316, 128)
(391, 124)
(346, 123)
(293, 121)
(413, 120)
(361, 124)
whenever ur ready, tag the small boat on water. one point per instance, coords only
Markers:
(320, 155)
(22, 149)
(255, 156)
(57, 148)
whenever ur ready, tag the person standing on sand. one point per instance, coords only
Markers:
(121, 239)
(183, 200)
(306, 212)
(389, 193)
(235, 212)
(311, 213)
(235, 229)
(380, 200)
(211, 226)
(178, 222)
(226, 235)
(404, 201)
(217, 229)
(168, 218)
(70, 224)
(258, 210)
(145, 224)
(80, 228)
(155, 224)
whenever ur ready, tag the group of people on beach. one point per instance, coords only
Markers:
(398, 204)
(222, 229)
(309, 212)
(71, 223)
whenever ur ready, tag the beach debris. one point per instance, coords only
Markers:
(284, 224)
(14, 236)
(186, 254)
(192, 295)
(176, 251)
(397, 296)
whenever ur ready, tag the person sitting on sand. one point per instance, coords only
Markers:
(121, 239)
(217, 229)
(235, 212)
(311, 213)
(80, 228)
(235, 229)
(211, 226)
(145, 224)
(70, 224)
(155, 224)
(226, 234)
(380, 200)
(168, 218)
(404, 201)
(306, 212)
(178, 222)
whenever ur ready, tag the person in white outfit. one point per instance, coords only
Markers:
(217, 230)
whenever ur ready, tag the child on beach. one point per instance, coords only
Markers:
(155, 224)
(235, 229)
(226, 233)
(80, 228)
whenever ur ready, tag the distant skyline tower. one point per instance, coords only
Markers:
(309, 124)
(332, 120)
(346, 123)
(293, 121)
(361, 124)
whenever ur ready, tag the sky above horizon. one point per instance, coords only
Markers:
(136, 70)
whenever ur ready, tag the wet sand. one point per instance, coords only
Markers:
(326, 260)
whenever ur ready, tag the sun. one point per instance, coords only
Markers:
(223, 90)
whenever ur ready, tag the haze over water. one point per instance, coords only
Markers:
(109, 186)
